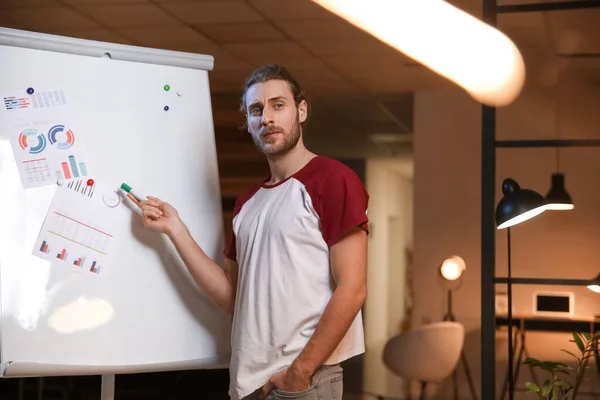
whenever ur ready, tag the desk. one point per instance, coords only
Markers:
(523, 325)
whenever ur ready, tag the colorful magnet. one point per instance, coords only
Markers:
(30, 91)
(167, 88)
(90, 182)
(166, 108)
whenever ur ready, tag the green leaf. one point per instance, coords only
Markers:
(553, 366)
(565, 372)
(546, 387)
(554, 395)
(534, 362)
(578, 341)
(563, 384)
(568, 352)
(587, 336)
(532, 387)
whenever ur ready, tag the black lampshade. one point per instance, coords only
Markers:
(518, 205)
(557, 197)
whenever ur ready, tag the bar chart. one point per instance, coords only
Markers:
(81, 187)
(79, 262)
(62, 255)
(44, 247)
(72, 168)
(95, 268)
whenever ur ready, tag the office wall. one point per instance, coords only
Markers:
(447, 199)
(389, 182)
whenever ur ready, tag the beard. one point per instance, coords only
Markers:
(280, 144)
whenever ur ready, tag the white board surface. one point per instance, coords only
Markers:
(142, 311)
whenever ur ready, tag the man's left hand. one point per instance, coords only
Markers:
(287, 380)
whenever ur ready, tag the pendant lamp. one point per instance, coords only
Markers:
(558, 198)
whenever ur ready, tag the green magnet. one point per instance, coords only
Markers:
(167, 88)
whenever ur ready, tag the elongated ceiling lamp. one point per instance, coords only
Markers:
(456, 45)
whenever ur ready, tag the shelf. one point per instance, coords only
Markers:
(547, 281)
(547, 143)
(555, 6)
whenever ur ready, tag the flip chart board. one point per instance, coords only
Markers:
(84, 287)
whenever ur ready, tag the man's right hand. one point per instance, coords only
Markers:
(158, 215)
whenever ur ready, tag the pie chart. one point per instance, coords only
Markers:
(61, 137)
(24, 141)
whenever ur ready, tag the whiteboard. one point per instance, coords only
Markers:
(143, 311)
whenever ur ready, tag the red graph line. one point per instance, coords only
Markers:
(28, 161)
(87, 226)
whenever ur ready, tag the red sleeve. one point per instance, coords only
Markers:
(342, 204)
(230, 248)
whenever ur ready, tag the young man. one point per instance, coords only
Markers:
(295, 269)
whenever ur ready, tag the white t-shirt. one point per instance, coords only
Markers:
(281, 239)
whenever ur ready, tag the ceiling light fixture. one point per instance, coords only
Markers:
(472, 54)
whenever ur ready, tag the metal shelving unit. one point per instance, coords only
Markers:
(489, 144)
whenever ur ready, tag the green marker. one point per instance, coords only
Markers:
(126, 188)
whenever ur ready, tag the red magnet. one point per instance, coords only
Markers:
(90, 182)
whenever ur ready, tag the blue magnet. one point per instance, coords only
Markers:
(166, 108)
(30, 90)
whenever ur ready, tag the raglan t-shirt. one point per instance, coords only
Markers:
(281, 238)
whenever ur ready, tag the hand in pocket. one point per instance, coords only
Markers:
(286, 381)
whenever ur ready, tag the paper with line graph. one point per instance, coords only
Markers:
(81, 227)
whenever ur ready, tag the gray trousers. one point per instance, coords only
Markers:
(325, 384)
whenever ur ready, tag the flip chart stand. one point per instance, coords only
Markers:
(108, 387)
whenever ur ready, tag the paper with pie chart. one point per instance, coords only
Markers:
(81, 227)
(48, 151)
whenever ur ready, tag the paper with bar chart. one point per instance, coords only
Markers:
(22, 102)
(81, 227)
(46, 152)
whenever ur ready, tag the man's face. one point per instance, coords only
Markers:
(273, 118)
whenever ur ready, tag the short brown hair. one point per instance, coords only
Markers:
(270, 72)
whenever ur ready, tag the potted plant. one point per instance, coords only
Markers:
(564, 381)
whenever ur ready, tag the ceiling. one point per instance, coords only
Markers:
(359, 86)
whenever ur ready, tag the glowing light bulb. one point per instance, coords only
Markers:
(452, 268)
(472, 54)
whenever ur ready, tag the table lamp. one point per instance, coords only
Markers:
(451, 270)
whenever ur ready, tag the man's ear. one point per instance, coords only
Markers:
(302, 111)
